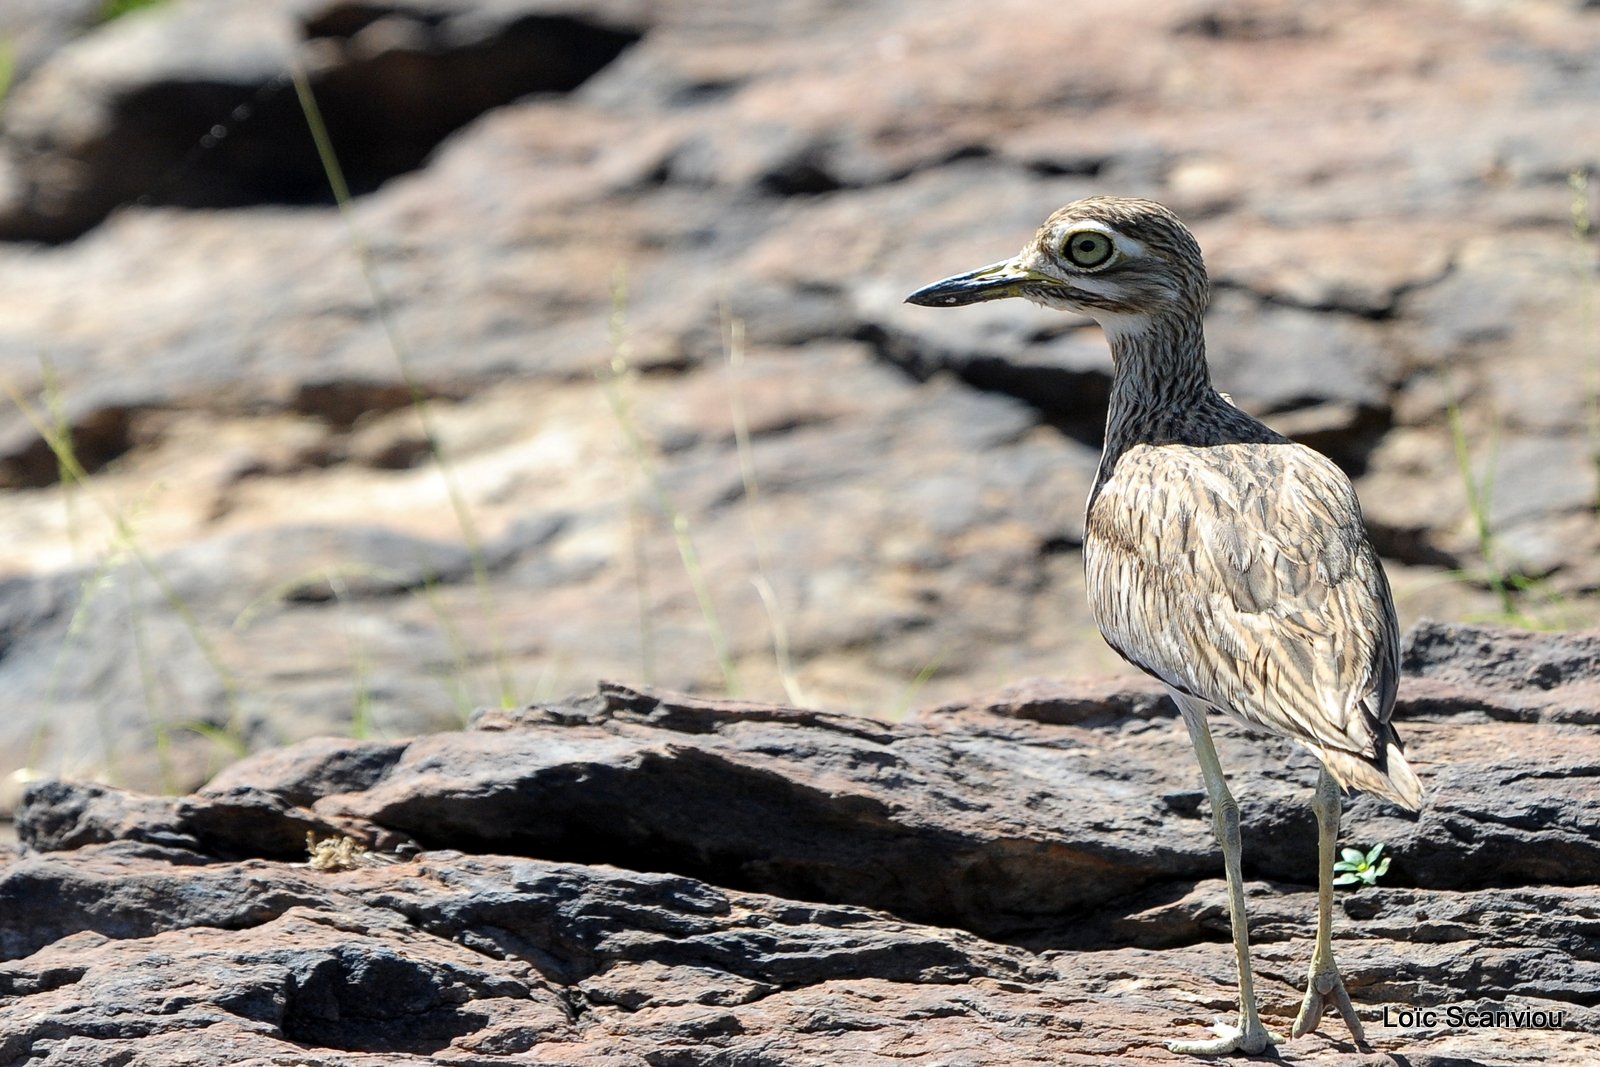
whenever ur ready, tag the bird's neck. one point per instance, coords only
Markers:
(1159, 380)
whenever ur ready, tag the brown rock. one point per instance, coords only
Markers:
(131, 111)
(1382, 191)
(1068, 819)
(1383, 194)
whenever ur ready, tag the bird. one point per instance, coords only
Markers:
(1224, 559)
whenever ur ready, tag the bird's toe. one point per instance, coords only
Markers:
(1249, 1040)
(1325, 987)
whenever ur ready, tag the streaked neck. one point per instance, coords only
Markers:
(1159, 378)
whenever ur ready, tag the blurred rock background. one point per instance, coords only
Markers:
(643, 259)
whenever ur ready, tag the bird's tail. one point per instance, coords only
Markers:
(1387, 774)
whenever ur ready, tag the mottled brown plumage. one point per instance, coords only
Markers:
(1238, 574)
(1222, 558)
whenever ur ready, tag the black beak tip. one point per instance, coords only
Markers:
(937, 295)
(986, 283)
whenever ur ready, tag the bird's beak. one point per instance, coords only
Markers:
(994, 282)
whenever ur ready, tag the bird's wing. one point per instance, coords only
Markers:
(1242, 575)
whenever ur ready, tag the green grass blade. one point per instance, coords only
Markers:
(383, 308)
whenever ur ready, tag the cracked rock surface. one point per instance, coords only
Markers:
(642, 878)
(267, 550)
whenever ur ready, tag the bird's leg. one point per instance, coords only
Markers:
(1249, 1036)
(1324, 984)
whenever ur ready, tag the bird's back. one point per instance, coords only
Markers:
(1239, 572)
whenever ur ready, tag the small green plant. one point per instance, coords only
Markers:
(616, 382)
(1355, 867)
(383, 308)
(1478, 491)
(8, 67)
(733, 345)
(51, 426)
(1583, 231)
(113, 9)
(902, 707)
(1524, 600)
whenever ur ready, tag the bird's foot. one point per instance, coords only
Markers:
(1252, 1039)
(1326, 986)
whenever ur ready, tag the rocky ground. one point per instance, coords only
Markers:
(639, 878)
(641, 262)
(266, 548)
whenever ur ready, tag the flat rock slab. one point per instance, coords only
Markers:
(638, 877)
(469, 959)
(1382, 191)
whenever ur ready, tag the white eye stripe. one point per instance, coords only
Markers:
(1102, 287)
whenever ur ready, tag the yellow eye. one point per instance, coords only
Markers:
(1087, 248)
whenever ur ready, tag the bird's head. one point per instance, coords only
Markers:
(1118, 260)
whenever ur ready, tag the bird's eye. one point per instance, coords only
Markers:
(1088, 248)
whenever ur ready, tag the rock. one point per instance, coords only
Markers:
(467, 958)
(817, 788)
(647, 877)
(64, 816)
(197, 669)
(1505, 674)
(132, 111)
(36, 28)
(935, 467)
(1360, 269)
(267, 547)
(1383, 193)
